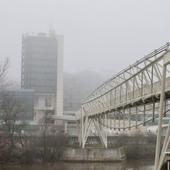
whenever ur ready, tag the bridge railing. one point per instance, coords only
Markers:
(129, 99)
(145, 82)
(125, 74)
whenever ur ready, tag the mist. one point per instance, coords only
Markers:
(101, 36)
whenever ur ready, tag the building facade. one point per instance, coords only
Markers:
(42, 71)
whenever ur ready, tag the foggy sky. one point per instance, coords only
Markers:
(99, 35)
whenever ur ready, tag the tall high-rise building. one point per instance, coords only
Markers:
(42, 71)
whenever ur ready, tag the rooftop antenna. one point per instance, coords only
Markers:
(52, 31)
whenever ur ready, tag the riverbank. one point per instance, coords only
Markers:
(143, 164)
(58, 148)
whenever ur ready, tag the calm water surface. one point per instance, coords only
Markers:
(126, 165)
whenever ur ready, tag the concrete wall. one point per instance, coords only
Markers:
(94, 154)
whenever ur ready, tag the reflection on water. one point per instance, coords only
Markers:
(126, 165)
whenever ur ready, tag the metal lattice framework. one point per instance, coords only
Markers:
(127, 100)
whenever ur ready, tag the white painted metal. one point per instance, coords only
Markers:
(160, 157)
(161, 112)
(122, 97)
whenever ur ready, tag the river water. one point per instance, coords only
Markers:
(126, 165)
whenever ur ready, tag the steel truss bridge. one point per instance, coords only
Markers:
(137, 95)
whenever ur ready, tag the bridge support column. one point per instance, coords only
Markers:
(102, 134)
(86, 131)
(81, 127)
(160, 154)
(165, 147)
(161, 107)
(86, 126)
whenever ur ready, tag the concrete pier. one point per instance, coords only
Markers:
(94, 154)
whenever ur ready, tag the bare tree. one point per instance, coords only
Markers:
(10, 107)
(3, 71)
(52, 141)
(11, 142)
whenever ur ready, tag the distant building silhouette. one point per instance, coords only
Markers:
(42, 71)
(77, 86)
